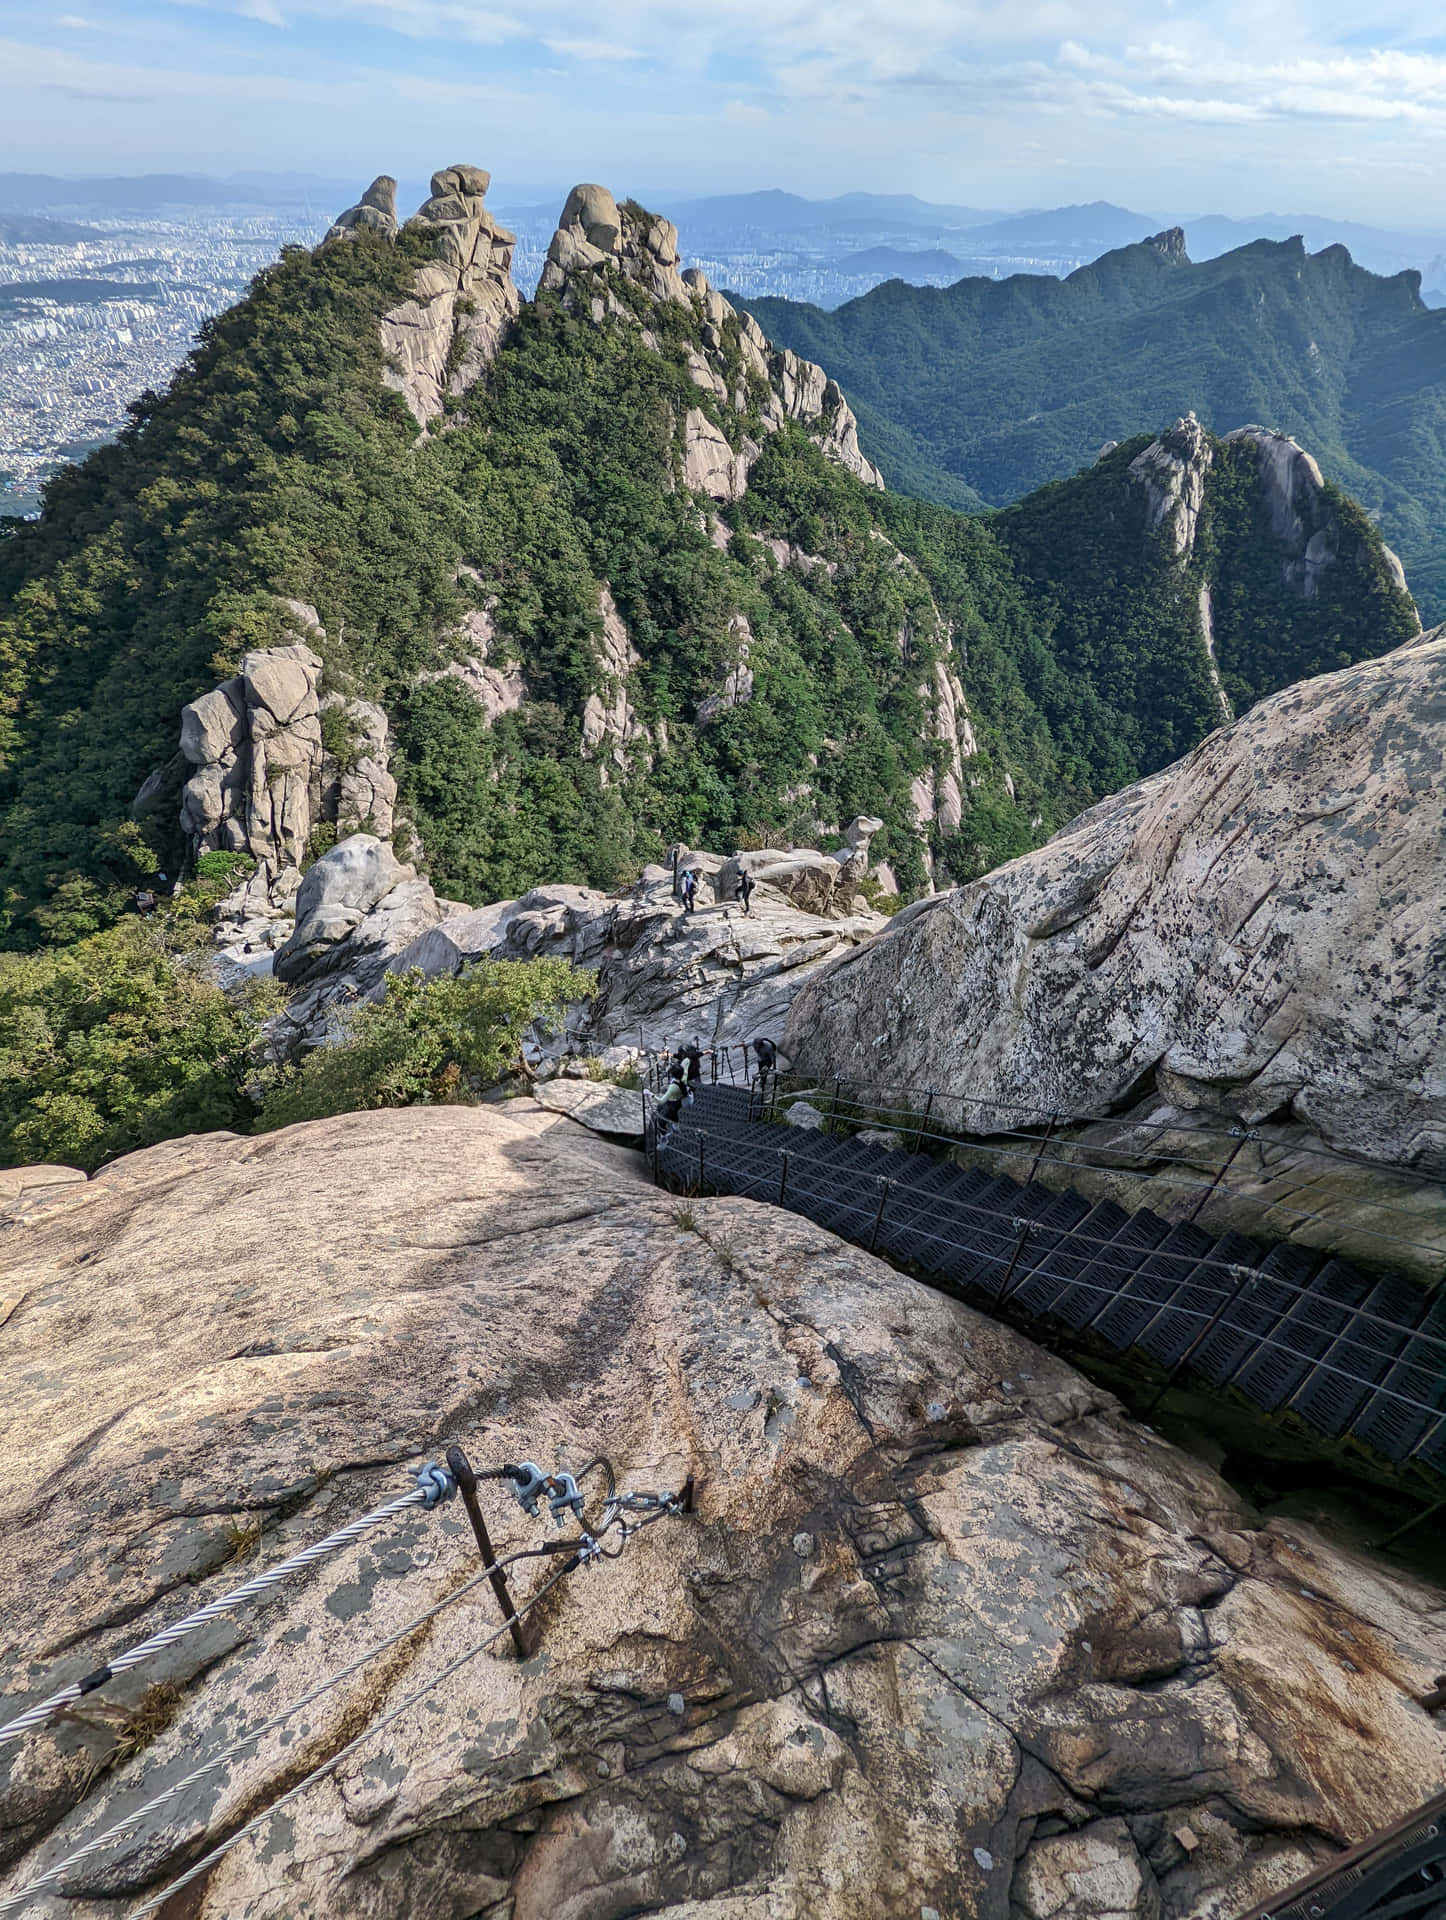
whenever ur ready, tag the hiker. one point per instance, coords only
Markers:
(745, 889)
(767, 1056)
(689, 885)
(669, 1107)
(691, 1058)
(145, 901)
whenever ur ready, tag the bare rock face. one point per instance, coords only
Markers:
(261, 778)
(497, 688)
(735, 680)
(609, 724)
(664, 976)
(356, 908)
(1258, 927)
(596, 237)
(1172, 472)
(439, 341)
(946, 1631)
(376, 211)
(938, 796)
(1301, 515)
(710, 464)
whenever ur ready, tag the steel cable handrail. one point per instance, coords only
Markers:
(1216, 1187)
(254, 1826)
(217, 1853)
(974, 1144)
(1053, 1120)
(53, 1876)
(437, 1486)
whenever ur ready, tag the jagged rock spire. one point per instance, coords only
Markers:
(594, 236)
(376, 209)
(594, 229)
(438, 341)
(463, 300)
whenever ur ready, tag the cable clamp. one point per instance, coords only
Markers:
(435, 1484)
(529, 1483)
(563, 1497)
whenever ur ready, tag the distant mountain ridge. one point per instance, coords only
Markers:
(1003, 385)
(633, 583)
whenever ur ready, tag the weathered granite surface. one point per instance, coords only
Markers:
(947, 1631)
(1256, 930)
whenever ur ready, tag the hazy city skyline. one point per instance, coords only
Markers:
(1234, 108)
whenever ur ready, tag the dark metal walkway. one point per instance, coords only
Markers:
(1354, 1356)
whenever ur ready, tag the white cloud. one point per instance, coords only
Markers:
(967, 99)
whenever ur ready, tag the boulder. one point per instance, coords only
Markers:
(945, 1631)
(597, 1105)
(356, 910)
(356, 872)
(1261, 923)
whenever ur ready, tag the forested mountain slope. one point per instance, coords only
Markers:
(616, 573)
(1003, 385)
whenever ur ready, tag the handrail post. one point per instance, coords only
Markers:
(884, 1185)
(782, 1176)
(1241, 1135)
(466, 1480)
(701, 1138)
(1026, 1227)
(1039, 1155)
(919, 1130)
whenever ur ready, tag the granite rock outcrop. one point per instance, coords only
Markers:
(1257, 929)
(946, 1631)
(262, 776)
(354, 910)
(733, 364)
(439, 340)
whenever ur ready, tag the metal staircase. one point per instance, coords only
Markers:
(1354, 1356)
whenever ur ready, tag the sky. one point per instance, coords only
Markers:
(1235, 106)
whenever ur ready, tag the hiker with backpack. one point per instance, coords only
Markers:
(745, 889)
(670, 1106)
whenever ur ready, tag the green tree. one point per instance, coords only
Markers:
(438, 1041)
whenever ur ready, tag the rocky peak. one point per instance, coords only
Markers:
(1301, 513)
(1170, 245)
(730, 359)
(1172, 472)
(439, 340)
(595, 231)
(376, 210)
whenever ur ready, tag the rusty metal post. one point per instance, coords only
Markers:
(1026, 1227)
(1039, 1155)
(466, 1480)
(884, 1186)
